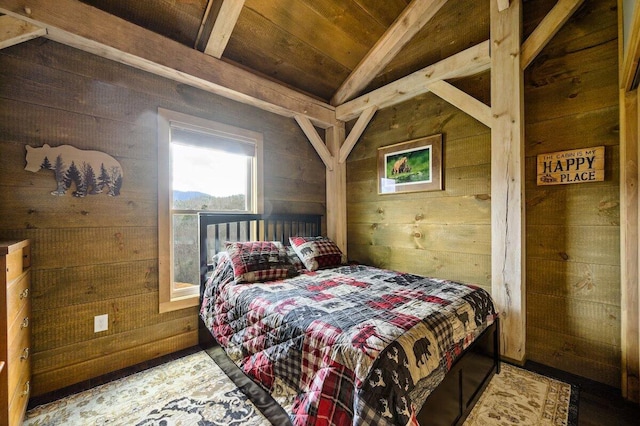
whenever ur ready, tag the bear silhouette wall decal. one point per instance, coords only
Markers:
(90, 172)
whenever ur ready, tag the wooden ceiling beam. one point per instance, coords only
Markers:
(225, 18)
(548, 27)
(410, 21)
(15, 31)
(468, 62)
(462, 101)
(92, 30)
(356, 132)
(307, 127)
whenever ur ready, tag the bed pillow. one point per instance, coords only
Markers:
(316, 252)
(294, 259)
(257, 261)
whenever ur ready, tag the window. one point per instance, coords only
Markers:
(202, 166)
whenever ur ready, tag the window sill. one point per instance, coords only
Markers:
(179, 303)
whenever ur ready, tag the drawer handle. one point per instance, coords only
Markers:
(24, 294)
(27, 388)
(25, 323)
(25, 354)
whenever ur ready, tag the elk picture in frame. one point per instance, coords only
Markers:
(411, 166)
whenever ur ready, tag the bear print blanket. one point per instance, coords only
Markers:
(347, 345)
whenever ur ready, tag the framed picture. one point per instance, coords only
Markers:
(411, 166)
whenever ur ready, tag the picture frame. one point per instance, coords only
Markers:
(411, 166)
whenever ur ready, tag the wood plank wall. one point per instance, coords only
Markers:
(573, 256)
(99, 254)
(573, 262)
(447, 233)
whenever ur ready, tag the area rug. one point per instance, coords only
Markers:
(193, 390)
(520, 397)
(188, 391)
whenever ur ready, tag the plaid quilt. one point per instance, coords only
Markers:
(349, 345)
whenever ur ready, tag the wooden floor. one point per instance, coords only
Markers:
(599, 405)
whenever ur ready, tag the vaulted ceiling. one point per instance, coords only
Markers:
(314, 46)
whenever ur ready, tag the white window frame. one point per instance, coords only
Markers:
(170, 299)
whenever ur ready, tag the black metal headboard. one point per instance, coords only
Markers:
(217, 228)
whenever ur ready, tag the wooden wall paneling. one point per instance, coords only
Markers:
(464, 267)
(60, 287)
(286, 189)
(87, 262)
(473, 238)
(54, 358)
(109, 362)
(571, 103)
(507, 179)
(125, 314)
(581, 205)
(459, 210)
(598, 244)
(37, 208)
(595, 127)
(593, 282)
(458, 182)
(577, 355)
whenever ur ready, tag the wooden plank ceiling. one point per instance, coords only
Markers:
(334, 50)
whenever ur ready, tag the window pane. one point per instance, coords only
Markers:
(208, 179)
(186, 270)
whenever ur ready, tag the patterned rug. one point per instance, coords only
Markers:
(193, 390)
(520, 397)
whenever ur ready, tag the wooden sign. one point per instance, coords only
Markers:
(575, 166)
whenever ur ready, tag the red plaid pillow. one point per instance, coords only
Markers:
(257, 261)
(316, 252)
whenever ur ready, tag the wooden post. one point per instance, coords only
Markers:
(337, 188)
(629, 244)
(507, 178)
(629, 204)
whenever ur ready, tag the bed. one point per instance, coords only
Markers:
(338, 343)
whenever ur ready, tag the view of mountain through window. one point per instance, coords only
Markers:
(203, 179)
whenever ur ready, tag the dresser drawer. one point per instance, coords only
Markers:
(18, 401)
(19, 351)
(18, 295)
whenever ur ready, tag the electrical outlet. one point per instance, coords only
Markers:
(100, 323)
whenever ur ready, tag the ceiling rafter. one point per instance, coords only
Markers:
(548, 27)
(411, 20)
(468, 62)
(225, 19)
(15, 31)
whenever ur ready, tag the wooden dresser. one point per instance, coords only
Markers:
(15, 299)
